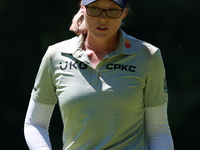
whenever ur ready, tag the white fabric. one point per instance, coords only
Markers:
(38, 119)
(157, 128)
(36, 125)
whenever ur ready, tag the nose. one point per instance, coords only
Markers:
(103, 16)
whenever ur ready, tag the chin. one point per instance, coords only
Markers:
(105, 36)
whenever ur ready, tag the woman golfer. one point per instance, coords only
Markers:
(110, 87)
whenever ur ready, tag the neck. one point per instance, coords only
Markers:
(105, 45)
(87, 46)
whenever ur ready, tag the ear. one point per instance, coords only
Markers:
(125, 13)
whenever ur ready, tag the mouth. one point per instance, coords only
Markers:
(102, 28)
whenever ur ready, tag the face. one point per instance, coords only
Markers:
(103, 28)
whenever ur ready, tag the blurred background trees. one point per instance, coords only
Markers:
(27, 28)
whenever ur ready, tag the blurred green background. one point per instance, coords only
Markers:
(28, 27)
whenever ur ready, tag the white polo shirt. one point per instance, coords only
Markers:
(102, 107)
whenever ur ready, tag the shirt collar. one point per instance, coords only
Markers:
(125, 44)
(74, 45)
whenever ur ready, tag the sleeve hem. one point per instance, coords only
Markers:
(156, 103)
(42, 100)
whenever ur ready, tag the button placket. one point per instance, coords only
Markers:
(95, 77)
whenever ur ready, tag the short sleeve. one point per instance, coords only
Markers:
(44, 88)
(155, 92)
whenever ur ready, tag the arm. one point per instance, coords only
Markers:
(157, 128)
(36, 125)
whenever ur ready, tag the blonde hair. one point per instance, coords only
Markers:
(78, 23)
